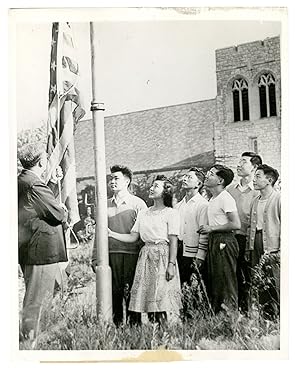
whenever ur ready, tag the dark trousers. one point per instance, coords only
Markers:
(243, 273)
(222, 285)
(123, 269)
(185, 273)
(269, 294)
(184, 265)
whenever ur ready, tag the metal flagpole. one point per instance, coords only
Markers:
(103, 271)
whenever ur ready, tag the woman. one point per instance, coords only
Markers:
(156, 286)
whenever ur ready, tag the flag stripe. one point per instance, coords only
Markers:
(64, 113)
(65, 138)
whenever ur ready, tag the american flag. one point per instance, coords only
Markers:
(64, 113)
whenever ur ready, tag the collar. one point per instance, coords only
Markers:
(194, 198)
(121, 198)
(31, 171)
(249, 185)
(268, 198)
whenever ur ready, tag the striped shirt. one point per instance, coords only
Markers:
(193, 214)
(122, 213)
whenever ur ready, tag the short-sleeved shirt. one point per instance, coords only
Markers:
(193, 214)
(218, 207)
(122, 215)
(243, 195)
(156, 225)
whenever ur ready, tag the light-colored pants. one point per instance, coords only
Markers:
(39, 284)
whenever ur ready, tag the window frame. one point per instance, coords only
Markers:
(265, 80)
(240, 84)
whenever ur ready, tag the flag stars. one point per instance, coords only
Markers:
(53, 89)
(53, 65)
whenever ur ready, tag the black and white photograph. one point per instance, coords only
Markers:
(148, 156)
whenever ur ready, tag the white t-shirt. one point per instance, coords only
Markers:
(156, 225)
(218, 207)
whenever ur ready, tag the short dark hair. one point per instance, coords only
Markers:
(199, 174)
(168, 191)
(30, 154)
(255, 158)
(124, 170)
(225, 173)
(269, 172)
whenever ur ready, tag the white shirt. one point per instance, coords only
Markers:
(193, 214)
(121, 197)
(156, 225)
(245, 187)
(218, 207)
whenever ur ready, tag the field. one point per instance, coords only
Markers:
(71, 323)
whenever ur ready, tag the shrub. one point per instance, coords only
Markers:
(266, 282)
(72, 324)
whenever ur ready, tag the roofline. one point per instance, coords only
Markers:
(159, 170)
(166, 169)
(247, 43)
(161, 107)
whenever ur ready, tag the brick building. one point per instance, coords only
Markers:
(245, 115)
(248, 81)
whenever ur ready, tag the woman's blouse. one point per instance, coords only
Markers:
(156, 225)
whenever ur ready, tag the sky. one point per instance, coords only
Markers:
(143, 64)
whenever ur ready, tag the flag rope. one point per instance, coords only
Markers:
(58, 130)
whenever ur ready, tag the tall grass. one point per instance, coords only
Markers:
(72, 324)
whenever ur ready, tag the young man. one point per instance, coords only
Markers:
(243, 192)
(192, 246)
(223, 248)
(264, 237)
(122, 211)
(41, 237)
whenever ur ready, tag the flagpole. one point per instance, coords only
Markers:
(103, 271)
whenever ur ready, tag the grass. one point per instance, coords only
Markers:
(71, 323)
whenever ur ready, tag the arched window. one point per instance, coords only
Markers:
(267, 95)
(240, 100)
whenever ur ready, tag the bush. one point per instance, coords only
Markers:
(72, 324)
(141, 184)
(266, 284)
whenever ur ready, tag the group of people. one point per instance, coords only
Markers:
(153, 251)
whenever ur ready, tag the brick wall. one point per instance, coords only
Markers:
(237, 140)
(149, 139)
(232, 138)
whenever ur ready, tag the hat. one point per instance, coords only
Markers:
(30, 154)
